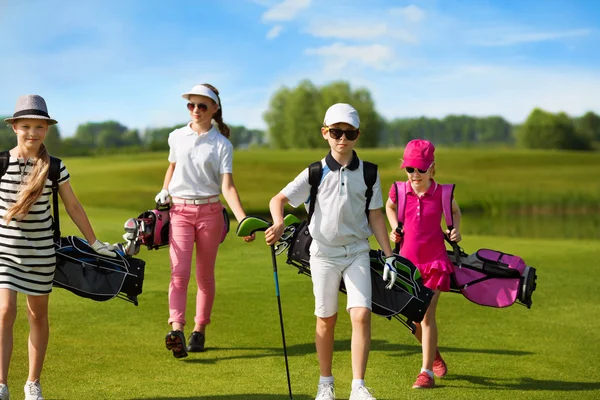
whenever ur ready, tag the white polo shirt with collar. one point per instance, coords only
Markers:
(339, 218)
(200, 160)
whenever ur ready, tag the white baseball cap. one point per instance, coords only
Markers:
(342, 112)
(201, 90)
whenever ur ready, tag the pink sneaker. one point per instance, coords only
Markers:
(424, 381)
(440, 369)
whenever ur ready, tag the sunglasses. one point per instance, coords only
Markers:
(411, 170)
(335, 133)
(201, 106)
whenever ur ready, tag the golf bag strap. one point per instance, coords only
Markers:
(315, 170)
(400, 209)
(3, 162)
(54, 175)
(370, 175)
(447, 197)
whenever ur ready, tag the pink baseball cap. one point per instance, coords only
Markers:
(418, 153)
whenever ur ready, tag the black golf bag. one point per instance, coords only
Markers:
(407, 301)
(88, 274)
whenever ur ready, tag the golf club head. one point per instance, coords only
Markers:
(132, 247)
(131, 225)
(250, 224)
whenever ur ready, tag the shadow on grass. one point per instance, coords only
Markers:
(524, 383)
(395, 350)
(233, 397)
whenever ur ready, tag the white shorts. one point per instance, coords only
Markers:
(329, 265)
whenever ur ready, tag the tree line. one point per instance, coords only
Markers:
(295, 115)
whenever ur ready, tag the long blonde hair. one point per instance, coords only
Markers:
(30, 192)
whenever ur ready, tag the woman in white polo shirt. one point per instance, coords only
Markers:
(200, 169)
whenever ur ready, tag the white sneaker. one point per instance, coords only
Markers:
(326, 392)
(33, 391)
(361, 393)
(4, 392)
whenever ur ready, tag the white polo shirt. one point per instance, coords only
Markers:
(339, 218)
(201, 160)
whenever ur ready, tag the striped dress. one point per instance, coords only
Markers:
(27, 255)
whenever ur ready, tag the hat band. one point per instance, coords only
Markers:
(31, 112)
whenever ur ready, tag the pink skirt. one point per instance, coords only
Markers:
(436, 274)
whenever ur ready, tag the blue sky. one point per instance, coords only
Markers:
(130, 60)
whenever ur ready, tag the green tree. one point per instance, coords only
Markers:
(544, 130)
(275, 119)
(295, 116)
(589, 126)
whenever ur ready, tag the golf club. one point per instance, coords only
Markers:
(248, 226)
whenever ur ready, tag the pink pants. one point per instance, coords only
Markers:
(201, 225)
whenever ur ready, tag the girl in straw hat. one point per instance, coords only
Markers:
(27, 255)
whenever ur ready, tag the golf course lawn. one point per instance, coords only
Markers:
(114, 350)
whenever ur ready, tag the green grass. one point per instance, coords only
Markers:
(113, 350)
(491, 180)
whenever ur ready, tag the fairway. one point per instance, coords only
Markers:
(114, 350)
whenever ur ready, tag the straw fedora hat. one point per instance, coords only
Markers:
(31, 106)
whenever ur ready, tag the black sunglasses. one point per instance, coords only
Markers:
(201, 106)
(411, 170)
(336, 133)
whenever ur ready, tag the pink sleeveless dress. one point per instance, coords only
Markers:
(423, 242)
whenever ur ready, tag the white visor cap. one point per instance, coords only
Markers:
(342, 112)
(201, 90)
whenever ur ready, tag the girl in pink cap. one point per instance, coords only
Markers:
(422, 242)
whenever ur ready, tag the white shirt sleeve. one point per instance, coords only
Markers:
(376, 200)
(226, 164)
(298, 190)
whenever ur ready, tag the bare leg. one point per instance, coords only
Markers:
(39, 332)
(200, 328)
(430, 333)
(361, 340)
(176, 326)
(8, 314)
(324, 342)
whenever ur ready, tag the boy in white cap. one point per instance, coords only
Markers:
(340, 229)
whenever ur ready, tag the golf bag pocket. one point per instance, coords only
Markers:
(88, 274)
(154, 227)
(408, 297)
(493, 278)
(299, 250)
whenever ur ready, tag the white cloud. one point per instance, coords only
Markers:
(274, 32)
(492, 39)
(411, 13)
(358, 30)
(338, 56)
(285, 11)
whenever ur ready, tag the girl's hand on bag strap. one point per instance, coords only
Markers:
(162, 197)
(454, 235)
(395, 237)
(103, 249)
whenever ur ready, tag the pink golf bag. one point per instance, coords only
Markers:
(492, 278)
(151, 229)
(154, 227)
(487, 277)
